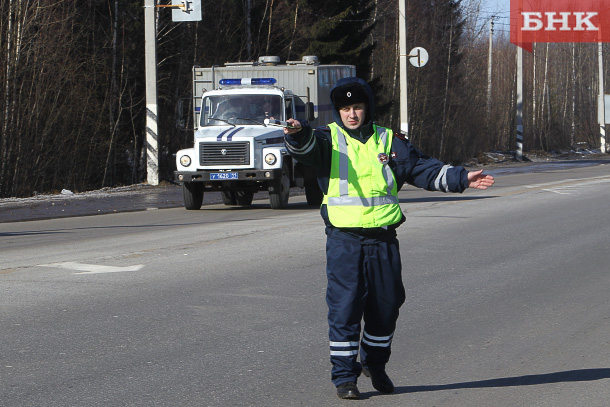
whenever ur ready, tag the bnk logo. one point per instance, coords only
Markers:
(559, 21)
(532, 21)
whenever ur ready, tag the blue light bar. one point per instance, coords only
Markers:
(248, 81)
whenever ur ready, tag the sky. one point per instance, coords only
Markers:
(502, 6)
(499, 8)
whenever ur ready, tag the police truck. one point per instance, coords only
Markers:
(239, 110)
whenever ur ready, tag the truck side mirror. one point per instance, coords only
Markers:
(310, 111)
(183, 113)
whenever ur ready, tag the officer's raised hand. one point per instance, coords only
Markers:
(294, 126)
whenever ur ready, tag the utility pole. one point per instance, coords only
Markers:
(182, 10)
(519, 152)
(601, 105)
(152, 137)
(489, 69)
(573, 130)
(402, 52)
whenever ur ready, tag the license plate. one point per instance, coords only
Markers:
(223, 175)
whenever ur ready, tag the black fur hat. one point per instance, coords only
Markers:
(349, 94)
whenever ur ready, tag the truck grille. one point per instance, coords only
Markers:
(224, 153)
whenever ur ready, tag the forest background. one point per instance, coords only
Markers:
(72, 90)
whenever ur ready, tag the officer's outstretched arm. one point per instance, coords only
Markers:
(478, 180)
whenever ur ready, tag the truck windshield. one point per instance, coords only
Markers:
(240, 109)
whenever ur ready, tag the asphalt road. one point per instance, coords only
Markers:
(507, 303)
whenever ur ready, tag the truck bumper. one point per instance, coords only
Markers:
(242, 176)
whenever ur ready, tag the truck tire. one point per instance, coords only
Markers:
(313, 193)
(244, 198)
(192, 192)
(281, 191)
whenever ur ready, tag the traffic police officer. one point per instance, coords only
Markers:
(360, 168)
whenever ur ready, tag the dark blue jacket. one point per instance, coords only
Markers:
(314, 148)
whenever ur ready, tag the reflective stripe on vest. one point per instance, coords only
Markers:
(385, 209)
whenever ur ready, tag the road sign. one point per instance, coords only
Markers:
(418, 57)
(186, 10)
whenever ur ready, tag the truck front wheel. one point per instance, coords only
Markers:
(278, 197)
(192, 192)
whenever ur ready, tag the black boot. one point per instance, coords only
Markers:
(379, 378)
(348, 391)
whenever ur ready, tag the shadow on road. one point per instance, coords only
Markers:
(581, 375)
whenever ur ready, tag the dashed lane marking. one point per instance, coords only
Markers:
(93, 268)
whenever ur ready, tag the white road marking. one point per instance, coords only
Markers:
(93, 268)
(557, 191)
(568, 186)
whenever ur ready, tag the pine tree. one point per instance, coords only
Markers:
(341, 34)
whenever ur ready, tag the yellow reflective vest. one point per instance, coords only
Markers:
(362, 190)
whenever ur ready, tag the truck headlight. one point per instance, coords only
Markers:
(185, 160)
(270, 159)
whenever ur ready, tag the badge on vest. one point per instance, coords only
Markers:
(383, 158)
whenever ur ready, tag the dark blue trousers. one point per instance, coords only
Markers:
(364, 284)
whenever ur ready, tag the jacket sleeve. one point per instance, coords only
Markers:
(415, 168)
(310, 147)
